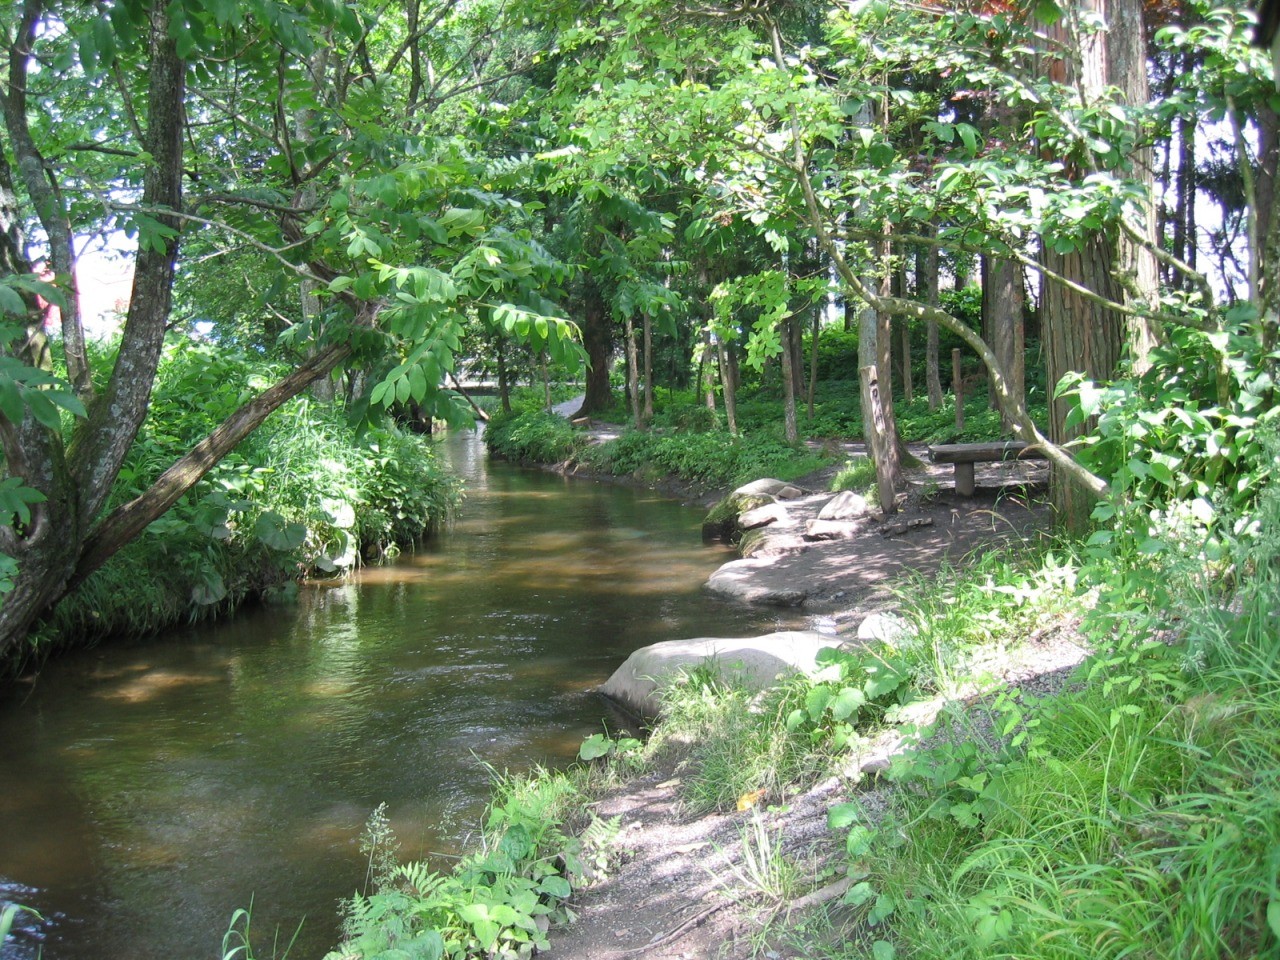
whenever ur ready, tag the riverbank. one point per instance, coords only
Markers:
(1029, 788)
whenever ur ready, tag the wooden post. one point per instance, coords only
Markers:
(884, 471)
(957, 387)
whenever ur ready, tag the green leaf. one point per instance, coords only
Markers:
(846, 703)
(11, 404)
(556, 886)
(843, 815)
(816, 701)
(10, 302)
(595, 746)
(883, 950)
(278, 534)
(883, 909)
(1273, 917)
(42, 408)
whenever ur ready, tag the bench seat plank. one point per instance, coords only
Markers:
(965, 455)
(983, 452)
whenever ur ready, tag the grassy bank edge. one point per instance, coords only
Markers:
(1157, 769)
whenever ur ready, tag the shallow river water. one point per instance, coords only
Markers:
(151, 788)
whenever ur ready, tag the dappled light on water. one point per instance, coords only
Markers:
(167, 783)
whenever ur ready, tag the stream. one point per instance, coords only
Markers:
(152, 787)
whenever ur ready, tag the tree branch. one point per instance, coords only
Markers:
(130, 519)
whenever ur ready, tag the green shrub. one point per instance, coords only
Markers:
(531, 437)
(306, 493)
(495, 902)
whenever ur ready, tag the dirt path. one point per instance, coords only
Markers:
(678, 890)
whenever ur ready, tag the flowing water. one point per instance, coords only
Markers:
(149, 789)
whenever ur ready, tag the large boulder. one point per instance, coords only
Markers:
(721, 522)
(754, 661)
(846, 505)
(742, 580)
(778, 489)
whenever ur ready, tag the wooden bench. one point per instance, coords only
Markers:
(965, 455)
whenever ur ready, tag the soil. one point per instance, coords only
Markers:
(677, 888)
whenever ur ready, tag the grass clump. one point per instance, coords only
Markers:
(858, 475)
(734, 742)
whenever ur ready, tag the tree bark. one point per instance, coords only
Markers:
(932, 374)
(790, 424)
(1003, 300)
(48, 203)
(127, 521)
(814, 334)
(728, 383)
(77, 483)
(597, 339)
(633, 373)
(1081, 336)
(647, 327)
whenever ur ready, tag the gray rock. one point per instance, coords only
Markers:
(846, 505)
(764, 542)
(754, 661)
(832, 529)
(884, 628)
(737, 580)
(763, 516)
(769, 488)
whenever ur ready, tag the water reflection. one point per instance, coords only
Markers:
(152, 789)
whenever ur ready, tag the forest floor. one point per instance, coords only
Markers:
(690, 887)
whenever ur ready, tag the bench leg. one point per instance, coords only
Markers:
(964, 479)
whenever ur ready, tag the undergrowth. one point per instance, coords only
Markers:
(536, 847)
(1135, 815)
(306, 494)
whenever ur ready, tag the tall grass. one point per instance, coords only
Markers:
(1137, 815)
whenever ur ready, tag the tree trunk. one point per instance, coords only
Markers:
(597, 339)
(932, 374)
(76, 484)
(705, 368)
(633, 373)
(1126, 69)
(884, 368)
(1081, 336)
(504, 384)
(728, 383)
(1184, 219)
(814, 334)
(48, 203)
(906, 362)
(647, 326)
(790, 424)
(1003, 299)
(127, 521)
